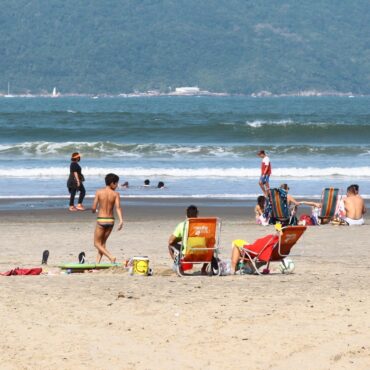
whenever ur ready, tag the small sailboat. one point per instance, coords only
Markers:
(8, 95)
(55, 93)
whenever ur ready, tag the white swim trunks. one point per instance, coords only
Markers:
(352, 222)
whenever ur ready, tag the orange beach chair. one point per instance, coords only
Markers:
(272, 248)
(200, 244)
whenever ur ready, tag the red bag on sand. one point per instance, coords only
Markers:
(18, 271)
(306, 220)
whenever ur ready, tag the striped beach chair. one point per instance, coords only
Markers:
(329, 204)
(278, 203)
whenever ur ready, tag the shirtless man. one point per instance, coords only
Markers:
(107, 199)
(354, 206)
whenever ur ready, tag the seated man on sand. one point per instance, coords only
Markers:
(174, 242)
(175, 239)
(354, 207)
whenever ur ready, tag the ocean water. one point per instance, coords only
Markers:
(198, 146)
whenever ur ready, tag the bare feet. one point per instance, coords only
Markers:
(72, 209)
(80, 207)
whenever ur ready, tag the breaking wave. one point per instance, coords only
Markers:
(110, 149)
(260, 123)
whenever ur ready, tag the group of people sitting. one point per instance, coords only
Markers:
(350, 208)
(176, 242)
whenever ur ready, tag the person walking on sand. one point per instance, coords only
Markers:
(107, 199)
(75, 183)
(264, 180)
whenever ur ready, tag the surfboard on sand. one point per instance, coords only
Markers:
(88, 266)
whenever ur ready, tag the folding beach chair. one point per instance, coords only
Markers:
(200, 245)
(272, 248)
(329, 204)
(278, 205)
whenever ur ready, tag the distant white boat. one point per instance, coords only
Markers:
(55, 93)
(8, 95)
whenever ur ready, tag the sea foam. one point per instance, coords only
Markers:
(101, 149)
(205, 172)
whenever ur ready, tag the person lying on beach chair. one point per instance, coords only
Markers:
(270, 248)
(195, 241)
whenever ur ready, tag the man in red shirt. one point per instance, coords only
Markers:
(265, 172)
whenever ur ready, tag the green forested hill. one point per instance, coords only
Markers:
(221, 45)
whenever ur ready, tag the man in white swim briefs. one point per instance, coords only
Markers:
(354, 206)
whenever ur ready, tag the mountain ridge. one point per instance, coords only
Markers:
(230, 46)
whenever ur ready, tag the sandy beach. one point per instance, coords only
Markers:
(316, 318)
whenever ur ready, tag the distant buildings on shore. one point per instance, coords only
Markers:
(178, 91)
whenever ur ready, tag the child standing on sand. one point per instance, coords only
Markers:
(264, 181)
(106, 199)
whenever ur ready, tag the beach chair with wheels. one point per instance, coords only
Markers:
(329, 204)
(278, 205)
(200, 245)
(272, 248)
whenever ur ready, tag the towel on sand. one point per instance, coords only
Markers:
(18, 271)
